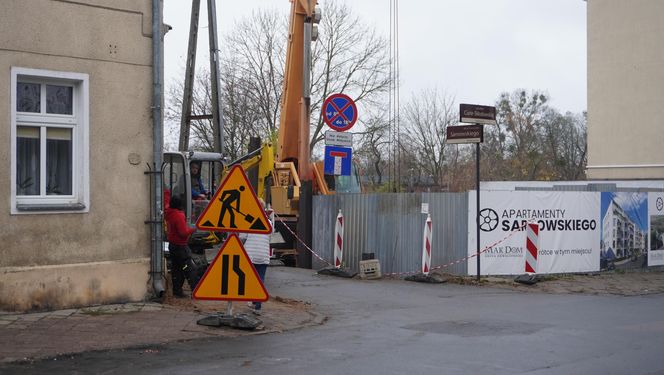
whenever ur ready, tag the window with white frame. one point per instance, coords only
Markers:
(49, 141)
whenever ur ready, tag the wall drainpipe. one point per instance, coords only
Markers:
(156, 228)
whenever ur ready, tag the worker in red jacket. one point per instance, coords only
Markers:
(182, 266)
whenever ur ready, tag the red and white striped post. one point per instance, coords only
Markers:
(532, 245)
(426, 247)
(338, 240)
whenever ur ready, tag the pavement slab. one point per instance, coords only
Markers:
(31, 336)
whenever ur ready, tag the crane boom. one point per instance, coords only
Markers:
(293, 141)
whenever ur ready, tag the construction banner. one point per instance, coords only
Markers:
(569, 231)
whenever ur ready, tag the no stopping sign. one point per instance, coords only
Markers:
(339, 112)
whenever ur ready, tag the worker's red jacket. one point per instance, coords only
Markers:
(177, 228)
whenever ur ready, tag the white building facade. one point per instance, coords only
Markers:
(625, 89)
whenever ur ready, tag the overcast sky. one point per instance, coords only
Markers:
(471, 49)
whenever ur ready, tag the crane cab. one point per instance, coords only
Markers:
(329, 184)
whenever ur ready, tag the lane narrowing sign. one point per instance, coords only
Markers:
(231, 276)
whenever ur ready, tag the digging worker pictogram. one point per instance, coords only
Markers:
(235, 197)
(227, 199)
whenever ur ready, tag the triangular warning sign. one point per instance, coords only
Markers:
(235, 207)
(231, 276)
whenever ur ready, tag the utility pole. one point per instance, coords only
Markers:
(215, 116)
(215, 76)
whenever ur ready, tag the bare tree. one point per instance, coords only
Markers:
(564, 145)
(425, 120)
(514, 145)
(372, 151)
(257, 47)
(460, 167)
(349, 57)
(533, 141)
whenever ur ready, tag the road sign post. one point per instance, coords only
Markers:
(230, 277)
(478, 115)
(477, 211)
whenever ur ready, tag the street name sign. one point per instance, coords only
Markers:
(477, 114)
(465, 134)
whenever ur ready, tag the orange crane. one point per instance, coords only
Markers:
(279, 179)
(293, 142)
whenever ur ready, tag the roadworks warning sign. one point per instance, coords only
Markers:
(235, 207)
(231, 276)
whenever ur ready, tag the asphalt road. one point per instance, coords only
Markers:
(399, 327)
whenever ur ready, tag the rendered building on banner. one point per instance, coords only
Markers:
(621, 236)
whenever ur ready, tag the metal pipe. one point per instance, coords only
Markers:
(477, 204)
(156, 262)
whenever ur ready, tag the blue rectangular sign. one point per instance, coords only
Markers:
(338, 160)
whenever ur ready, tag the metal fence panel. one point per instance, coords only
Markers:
(391, 227)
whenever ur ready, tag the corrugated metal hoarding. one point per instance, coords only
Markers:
(390, 226)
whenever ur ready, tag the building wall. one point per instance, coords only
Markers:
(56, 260)
(625, 89)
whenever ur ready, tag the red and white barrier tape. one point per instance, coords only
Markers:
(302, 242)
(411, 272)
(465, 258)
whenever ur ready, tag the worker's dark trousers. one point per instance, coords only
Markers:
(182, 266)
